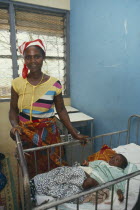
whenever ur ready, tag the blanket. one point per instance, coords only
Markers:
(60, 182)
(105, 153)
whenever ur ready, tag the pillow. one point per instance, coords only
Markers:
(131, 167)
(130, 151)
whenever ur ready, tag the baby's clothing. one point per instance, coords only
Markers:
(60, 182)
(86, 169)
(102, 172)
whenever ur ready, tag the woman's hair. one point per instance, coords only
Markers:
(40, 49)
(124, 162)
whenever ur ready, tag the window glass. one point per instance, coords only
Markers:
(33, 24)
(6, 72)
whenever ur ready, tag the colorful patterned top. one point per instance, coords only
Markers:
(36, 102)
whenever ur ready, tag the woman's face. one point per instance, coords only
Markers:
(33, 59)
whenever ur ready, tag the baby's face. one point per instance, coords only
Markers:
(116, 160)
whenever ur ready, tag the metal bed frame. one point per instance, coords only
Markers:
(111, 138)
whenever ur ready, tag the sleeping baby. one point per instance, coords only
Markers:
(66, 181)
(100, 172)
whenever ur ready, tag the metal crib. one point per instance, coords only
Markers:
(108, 138)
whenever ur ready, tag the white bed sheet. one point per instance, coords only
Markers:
(132, 153)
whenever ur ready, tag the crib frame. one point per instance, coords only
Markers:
(25, 178)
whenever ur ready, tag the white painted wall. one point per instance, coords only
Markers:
(60, 4)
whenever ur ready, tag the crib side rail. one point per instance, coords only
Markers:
(111, 134)
(74, 141)
(110, 137)
(96, 189)
(81, 152)
(26, 186)
(137, 128)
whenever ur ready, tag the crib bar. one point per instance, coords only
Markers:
(60, 155)
(26, 185)
(102, 140)
(96, 203)
(112, 194)
(127, 194)
(92, 143)
(92, 147)
(82, 152)
(77, 203)
(35, 162)
(137, 131)
(71, 154)
(110, 140)
(119, 139)
(48, 158)
(106, 185)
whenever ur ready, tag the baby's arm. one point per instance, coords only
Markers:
(120, 195)
(85, 163)
(89, 182)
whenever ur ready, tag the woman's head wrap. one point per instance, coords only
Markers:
(24, 46)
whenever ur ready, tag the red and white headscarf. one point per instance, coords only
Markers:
(24, 46)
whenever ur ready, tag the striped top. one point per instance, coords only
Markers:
(36, 102)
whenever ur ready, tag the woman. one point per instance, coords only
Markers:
(33, 97)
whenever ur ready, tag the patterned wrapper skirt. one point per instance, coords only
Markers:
(38, 133)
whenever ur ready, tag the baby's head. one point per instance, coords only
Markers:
(118, 160)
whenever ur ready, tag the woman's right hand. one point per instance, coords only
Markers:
(13, 130)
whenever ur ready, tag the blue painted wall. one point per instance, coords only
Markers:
(105, 61)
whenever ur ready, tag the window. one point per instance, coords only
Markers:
(26, 23)
(5, 54)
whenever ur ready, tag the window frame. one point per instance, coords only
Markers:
(12, 5)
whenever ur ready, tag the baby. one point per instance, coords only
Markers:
(102, 172)
(66, 181)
